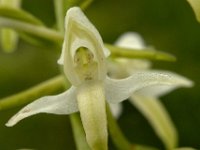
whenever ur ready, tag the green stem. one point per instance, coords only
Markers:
(61, 6)
(59, 12)
(86, 4)
(78, 131)
(83, 4)
(52, 86)
(40, 31)
(118, 137)
(116, 134)
(70, 3)
(142, 54)
(9, 38)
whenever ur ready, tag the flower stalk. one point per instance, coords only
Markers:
(51, 86)
(145, 53)
(9, 37)
(116, 135)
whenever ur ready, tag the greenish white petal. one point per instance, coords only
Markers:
(160, 90)
(64, 103)
(91, 103)
(130, 40)
(119, 90)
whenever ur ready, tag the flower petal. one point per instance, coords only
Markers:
(76, 15)
(91, 103)
(160, 90)
(158, 117)
(80, 32)
(9, 37)
(64, 103)
(130, 40)
(119, 90)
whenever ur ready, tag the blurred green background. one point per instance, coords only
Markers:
(167, 25)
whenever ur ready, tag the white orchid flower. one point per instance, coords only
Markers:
(83, 58)
(146, 99)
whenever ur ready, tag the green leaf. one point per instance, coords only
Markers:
(147, 53)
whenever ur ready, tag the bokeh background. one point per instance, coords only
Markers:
(167, 25)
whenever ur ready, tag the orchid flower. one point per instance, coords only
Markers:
(146, 99)
(84, 62)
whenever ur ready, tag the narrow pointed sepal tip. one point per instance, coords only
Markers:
(190, 83)
(14, 120)
(10, 123)
(187, 83)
